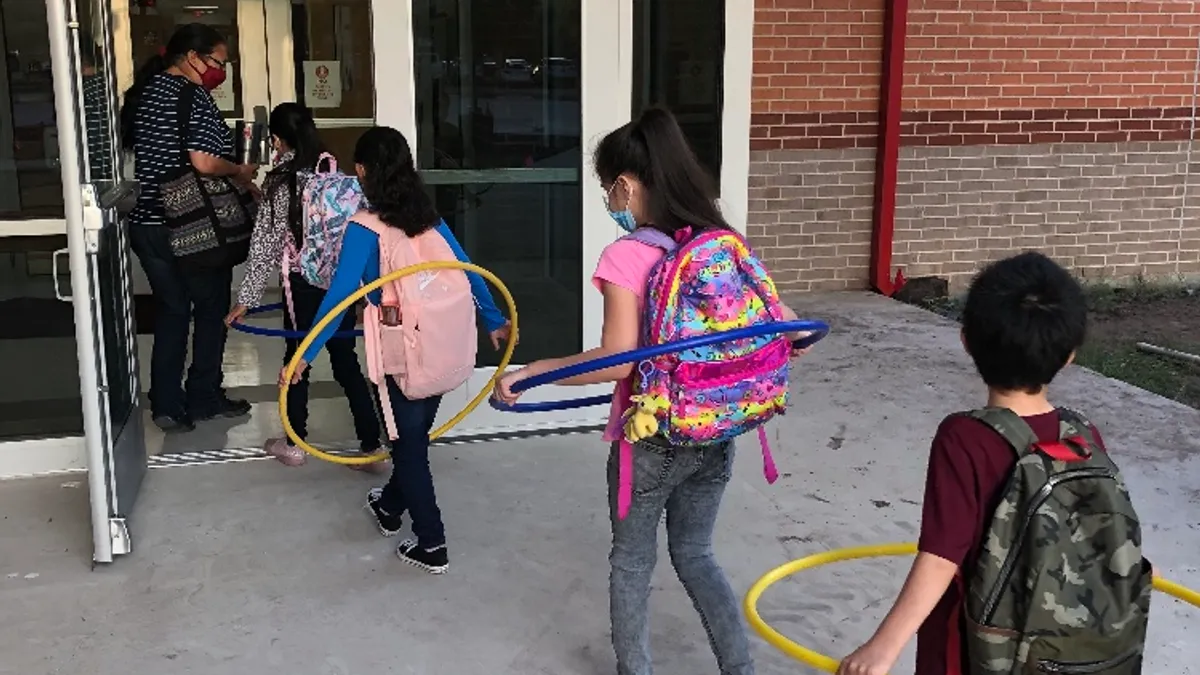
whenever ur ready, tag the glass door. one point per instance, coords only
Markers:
(508, 97)
(41, 419)
(98, 256)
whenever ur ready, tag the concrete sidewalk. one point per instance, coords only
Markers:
(256, 568)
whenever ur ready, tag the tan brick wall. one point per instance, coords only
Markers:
(810, 216)
(1106, 210)
(1026, 92)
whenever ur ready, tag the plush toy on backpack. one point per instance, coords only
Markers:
(328, 202)
(706, 283)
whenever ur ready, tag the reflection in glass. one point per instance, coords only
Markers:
(678, 62)
(114, 327)
(499, 141)
(30, 183)
(39, 391)
(152, 22)
(101, 164)
(334, 69)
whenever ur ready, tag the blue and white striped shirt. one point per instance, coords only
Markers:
(156, 139)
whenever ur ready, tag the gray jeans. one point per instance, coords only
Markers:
(688, 483)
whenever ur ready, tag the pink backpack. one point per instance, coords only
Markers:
(423, 334)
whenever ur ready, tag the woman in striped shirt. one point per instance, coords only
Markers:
(188, 299)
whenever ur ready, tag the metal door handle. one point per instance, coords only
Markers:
(54, 271)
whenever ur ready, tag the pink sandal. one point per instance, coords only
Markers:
(382, 467)
(287, 454)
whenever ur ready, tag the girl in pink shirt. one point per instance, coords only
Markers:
(653, 179)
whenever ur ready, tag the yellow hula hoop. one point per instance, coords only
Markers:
(829, 665)
(361, 293)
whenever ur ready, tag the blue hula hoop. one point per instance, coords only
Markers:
(819, 330)
(279, 332)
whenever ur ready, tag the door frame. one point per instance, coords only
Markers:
(606, 91)
(116, 457)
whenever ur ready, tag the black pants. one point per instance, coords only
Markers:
(187, 300)
(411, 485)
(306, 299)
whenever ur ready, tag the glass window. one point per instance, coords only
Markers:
(499, 143)
(152, 22)
(39, 392)
(30, 184)
(678, 63)
(334, 69)
(98, 108)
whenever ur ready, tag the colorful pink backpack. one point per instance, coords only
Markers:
(423, 333)
(707, 283)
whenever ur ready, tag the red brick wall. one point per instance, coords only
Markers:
(1058, 125)
(813, 129)
(1038, 54)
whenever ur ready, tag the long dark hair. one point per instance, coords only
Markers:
(653, 149)
(194, 37)
(391, 185)
(294, 125)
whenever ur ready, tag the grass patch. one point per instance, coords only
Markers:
(1166, 315)
(1176, 380)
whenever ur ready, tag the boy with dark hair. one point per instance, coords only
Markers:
(1030, 552)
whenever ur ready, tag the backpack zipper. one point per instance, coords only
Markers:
(1088, 668)
(1040, 498)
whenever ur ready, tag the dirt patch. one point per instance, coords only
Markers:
(1121, 317)
(1166, 317)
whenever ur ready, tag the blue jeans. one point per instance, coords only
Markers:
(411, 486)
(689, 484)
(187, 300)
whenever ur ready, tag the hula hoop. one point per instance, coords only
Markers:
(280, 332)
(320, 325)
(825, 663)
(819, 329)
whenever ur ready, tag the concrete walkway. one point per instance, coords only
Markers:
(256, 568)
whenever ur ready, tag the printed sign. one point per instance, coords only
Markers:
(323, 84)
(223, 95)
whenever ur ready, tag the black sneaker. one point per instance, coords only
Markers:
(174, 424)
(389, 525)
(225, 407)
(434, 561)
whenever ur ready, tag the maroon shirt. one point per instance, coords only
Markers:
(969, 465)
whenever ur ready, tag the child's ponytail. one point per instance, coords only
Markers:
(653, 148)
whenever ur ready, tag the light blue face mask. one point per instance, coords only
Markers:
(624, 218)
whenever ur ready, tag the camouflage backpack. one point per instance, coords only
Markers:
(1060, 585)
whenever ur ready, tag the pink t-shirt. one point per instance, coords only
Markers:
(625, 263)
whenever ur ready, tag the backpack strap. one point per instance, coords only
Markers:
(653, 237)
(1010, 426)
(373, 325)
(1074, 443)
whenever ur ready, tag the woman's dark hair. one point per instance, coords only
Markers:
(653, 149)
(294, 125)
(391, 185)
(193, 37)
